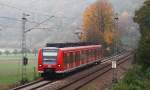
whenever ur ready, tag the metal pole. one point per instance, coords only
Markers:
(24, 51)
(24, 48)
(117, 29)
(114, 61)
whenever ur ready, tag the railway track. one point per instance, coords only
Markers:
(74, 81)
(85, 80)
(82, 78)
(33, 85)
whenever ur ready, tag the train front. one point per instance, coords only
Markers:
(48, 61)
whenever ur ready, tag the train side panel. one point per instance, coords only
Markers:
(60, 64)
(69, 59)
(40, 64)
(73, 59)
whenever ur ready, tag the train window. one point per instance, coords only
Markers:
(71, 57)
(99, 52)
(87, 54)
(90, 54)
(94, 52)
(77, 56)
(74, 58)
(65, 58)
(82, 56)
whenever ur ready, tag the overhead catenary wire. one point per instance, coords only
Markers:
(16, 19)
(23, 10)
(39, 24)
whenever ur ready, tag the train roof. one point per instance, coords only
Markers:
(61, 45)
(81, 47)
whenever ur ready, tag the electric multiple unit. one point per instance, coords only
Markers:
(66, 59)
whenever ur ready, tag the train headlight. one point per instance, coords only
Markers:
(40, 65)
(59, 65)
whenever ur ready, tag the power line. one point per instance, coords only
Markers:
(39, 24)
(6, 26)
(16, 19)
(22, 10)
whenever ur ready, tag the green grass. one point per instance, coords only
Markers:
(10, 68)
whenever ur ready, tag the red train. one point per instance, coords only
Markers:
(66, 59)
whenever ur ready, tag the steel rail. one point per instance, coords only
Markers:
(33, 85)
(91, 76)
(85, 81)
(61, 84)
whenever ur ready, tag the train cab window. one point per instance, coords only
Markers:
(50, 56)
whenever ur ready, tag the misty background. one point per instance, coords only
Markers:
(67, 20)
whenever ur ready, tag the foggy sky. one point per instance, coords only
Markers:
(68, 19)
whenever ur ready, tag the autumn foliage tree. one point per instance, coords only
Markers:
(98, 23)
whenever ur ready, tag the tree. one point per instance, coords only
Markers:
(7, 52)
(0, 53)
(98, 25)
(15, 51)
(142, 17)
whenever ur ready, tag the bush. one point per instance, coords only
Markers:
(135, 79)
(139, 77)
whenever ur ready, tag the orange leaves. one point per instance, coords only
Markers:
(98, 20)
(108, 36)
